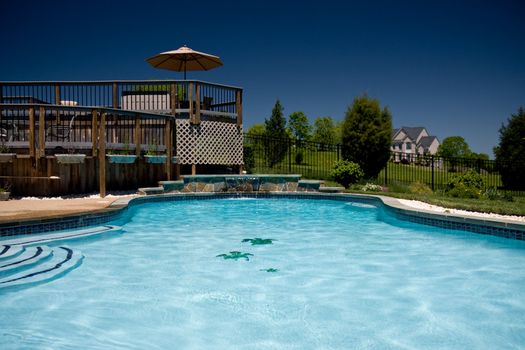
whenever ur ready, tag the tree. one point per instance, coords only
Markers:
(454, 147)
(255, 138)
(366, 135)
(276, 137)
(256, 130)
(510, 153)
(324, 130)
(299, 127)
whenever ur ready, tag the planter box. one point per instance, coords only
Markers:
(155, 159)
(121, 158)
(4, 196)
(7, 157)
(70, 158)
(174, 159)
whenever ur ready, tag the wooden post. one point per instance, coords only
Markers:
(238, 104)
(42, 132)
(174, 98)
(193, 169)
(94, 133)
(167, 141)
(137, 136)
(197, 103)
(57, 94)
(31, 132)
(115, 95)
(190, 101)
(102, 156)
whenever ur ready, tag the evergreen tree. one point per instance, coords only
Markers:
(276, 138)
(366, 135)
(510, 153)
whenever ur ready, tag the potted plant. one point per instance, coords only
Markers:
(4, 193)
(152, 155)
(70, 158)
(5, 155)
(122, 156)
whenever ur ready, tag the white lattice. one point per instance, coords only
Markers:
(210, 142)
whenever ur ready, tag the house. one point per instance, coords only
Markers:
(413, 141)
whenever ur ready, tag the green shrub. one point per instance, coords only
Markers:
(419, 188)
(466, 185)
(249, 159)
(346, 173)
(299, 157)
(493, 194)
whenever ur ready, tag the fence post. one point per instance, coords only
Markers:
(289, 156)
(432, 160)
(102, 156)
(386, 173)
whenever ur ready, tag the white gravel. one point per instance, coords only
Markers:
(437, 209)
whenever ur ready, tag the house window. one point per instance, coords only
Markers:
(408, 146)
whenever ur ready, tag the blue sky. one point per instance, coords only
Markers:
(455, 67)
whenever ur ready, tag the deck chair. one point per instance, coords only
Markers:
(61, 132)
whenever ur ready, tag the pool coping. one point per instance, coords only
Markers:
(500, 227)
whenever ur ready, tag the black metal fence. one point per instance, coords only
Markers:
(315, 161)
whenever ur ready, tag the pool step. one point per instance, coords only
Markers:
(63, 260)
(30, 257)
(308, 185)
(170, 186)
(331, 189)
(17, 243)
(8, 251)
(150, 190)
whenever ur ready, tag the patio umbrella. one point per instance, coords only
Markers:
(184, 59)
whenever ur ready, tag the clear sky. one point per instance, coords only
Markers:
(455, 67)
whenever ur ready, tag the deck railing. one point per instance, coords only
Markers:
(185, 98)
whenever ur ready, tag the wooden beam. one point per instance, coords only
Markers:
(190, 101)
(115, 95)
(137, 136)
(32, 132)
(42, 132)
(94, 133)
(238, 104)
(198, 104)
(57, 94)
(167, 141)
(102, 156)
(174, 98)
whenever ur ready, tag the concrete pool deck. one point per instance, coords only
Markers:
(19, 210)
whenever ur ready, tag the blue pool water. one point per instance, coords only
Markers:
(342, 276)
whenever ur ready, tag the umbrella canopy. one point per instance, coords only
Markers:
(184, 59)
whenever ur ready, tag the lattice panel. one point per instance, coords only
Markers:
(209, 143)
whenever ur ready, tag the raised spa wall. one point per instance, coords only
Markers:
(242, 183)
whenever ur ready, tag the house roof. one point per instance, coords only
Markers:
(394, 132)
(413, 133)
(426, 141)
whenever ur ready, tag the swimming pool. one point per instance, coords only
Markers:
(331, 275)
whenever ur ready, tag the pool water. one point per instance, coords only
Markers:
(332, 275)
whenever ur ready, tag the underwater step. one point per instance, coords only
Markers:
(30, 257)
(60, 235)
(64, 260)
(8, 251)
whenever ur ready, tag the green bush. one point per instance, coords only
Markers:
(493, 194)
(249, 159)
(299, 157)
(346, 173)
(466, 185)
(419, 188)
